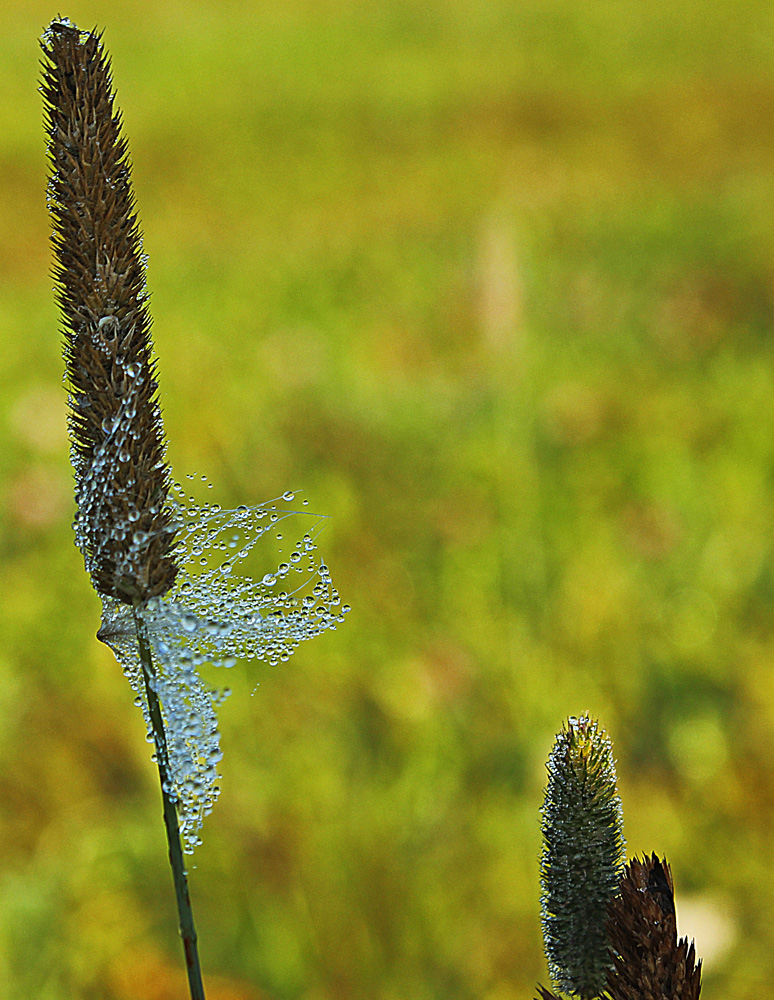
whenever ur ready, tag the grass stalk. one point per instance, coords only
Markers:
(184, 910)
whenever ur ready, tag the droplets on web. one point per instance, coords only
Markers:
(265, 617)
(216, 614)
(188, 707)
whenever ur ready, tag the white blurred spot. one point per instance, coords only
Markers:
(708, 921)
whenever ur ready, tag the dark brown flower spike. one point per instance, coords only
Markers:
(547, 994)
(649, 963)
(124, 522)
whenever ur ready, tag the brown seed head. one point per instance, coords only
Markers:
(547, 994)
(124, 523)
(649, 963)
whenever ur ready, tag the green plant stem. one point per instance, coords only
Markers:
(185, 913)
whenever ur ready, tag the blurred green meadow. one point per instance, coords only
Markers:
(493, 283)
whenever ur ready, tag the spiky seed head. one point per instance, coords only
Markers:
(547, 994)
(123, 523)
(583, 853)
(648, 960)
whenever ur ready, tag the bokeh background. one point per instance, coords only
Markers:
(492, 281)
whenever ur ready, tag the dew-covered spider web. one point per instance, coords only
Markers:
(216, 615)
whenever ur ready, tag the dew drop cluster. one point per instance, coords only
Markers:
(216, 615)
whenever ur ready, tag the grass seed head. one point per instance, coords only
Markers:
(583, 853)
(648, 960)
(124, 520)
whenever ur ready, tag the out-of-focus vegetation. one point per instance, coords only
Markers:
(493, 282)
